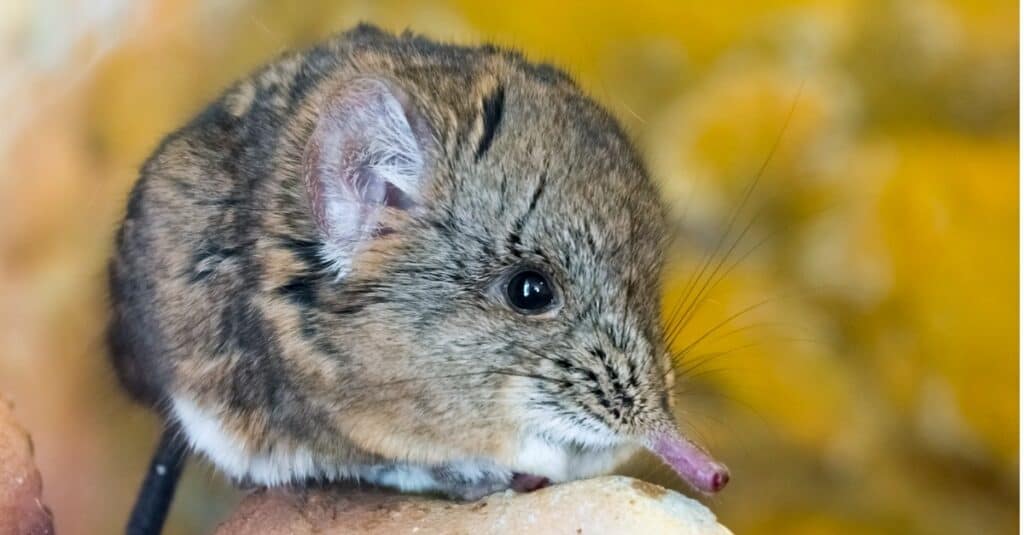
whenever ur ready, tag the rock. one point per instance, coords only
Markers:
(607, 505)
(21, 504)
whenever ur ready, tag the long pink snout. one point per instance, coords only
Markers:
(691, 462)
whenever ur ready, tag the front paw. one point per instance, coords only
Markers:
(528, 482)
(467, 482)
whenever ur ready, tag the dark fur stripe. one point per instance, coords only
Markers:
(493, 109)
(515, 239)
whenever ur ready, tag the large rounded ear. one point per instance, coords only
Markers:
(366, 156)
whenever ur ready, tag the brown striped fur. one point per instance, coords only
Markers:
(221, 295)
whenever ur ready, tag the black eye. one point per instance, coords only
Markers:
(530, 292)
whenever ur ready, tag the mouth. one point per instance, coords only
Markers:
(690, 461)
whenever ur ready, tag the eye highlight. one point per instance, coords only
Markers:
(530, 292)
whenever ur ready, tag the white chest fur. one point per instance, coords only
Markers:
(233, 456)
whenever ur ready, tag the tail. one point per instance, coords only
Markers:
(157, 490)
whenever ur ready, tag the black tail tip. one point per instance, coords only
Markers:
(157, 491)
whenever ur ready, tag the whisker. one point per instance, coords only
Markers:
(684, 373)
(721, 324)
(734, 316)
(676, 324)
(698, 298)
(730, 398)
(704, 373)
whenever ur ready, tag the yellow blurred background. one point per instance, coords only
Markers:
(867, 377)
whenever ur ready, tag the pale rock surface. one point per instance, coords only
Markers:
(21, 505)
(607, 505)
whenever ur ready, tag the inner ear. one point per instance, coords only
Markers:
(365, 156)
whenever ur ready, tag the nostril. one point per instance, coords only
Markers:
(719, 480)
